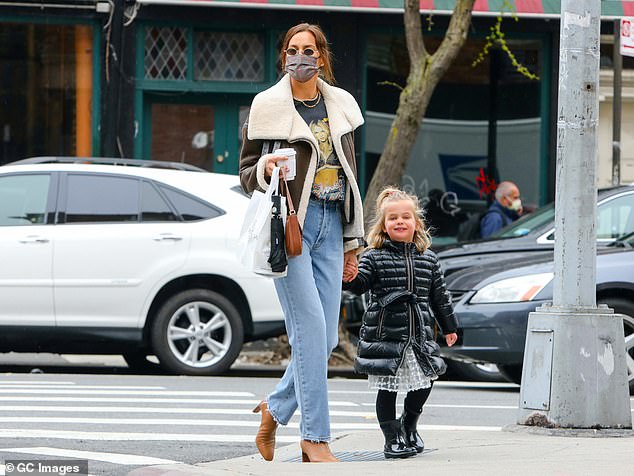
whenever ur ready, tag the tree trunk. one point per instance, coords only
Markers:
(425, 72)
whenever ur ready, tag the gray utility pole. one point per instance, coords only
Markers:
(617, 101)
(574, 373)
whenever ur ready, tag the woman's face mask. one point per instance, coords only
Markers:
(301, 67)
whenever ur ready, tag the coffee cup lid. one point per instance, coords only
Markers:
(288, 151)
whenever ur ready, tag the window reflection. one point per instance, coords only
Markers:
(46, 73)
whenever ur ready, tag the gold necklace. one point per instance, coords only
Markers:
(303, 101)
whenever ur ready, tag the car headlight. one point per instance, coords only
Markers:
(522, 288)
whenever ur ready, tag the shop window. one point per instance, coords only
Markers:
(222, 56)
(166, 53)
(453, 142)
(46, 91)
(607, 54)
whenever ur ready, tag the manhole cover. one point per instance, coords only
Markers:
(358, 456)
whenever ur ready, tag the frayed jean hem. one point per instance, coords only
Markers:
(275, 417)
(314, 439)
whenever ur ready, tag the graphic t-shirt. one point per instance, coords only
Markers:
(330, 179)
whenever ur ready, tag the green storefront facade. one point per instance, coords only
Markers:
(173, 80)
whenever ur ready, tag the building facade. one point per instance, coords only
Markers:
(173, 80)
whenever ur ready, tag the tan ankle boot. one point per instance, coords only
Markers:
(265, 439)
(316, 452)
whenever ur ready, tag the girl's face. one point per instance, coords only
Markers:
(400, 220)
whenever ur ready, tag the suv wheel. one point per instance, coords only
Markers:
(197, 332)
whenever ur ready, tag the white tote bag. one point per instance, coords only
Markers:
(254, 245)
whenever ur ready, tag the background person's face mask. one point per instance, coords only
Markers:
(516, 205)
(301, 67)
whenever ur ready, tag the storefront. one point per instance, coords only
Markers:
(49, 86)
(173, 80)
(198, 78)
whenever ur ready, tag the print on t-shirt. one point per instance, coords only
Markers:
(330, 180)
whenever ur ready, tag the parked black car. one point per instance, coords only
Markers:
(493, 302)
(535, 233)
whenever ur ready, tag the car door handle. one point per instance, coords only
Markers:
(34, 239)
(167, 237)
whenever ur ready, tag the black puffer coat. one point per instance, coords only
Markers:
(404, 284)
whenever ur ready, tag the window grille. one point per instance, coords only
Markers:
(223, 56)
(166, 53)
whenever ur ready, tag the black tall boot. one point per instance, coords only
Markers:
(395, 446)
(408, 421)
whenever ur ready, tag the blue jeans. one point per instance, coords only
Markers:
(310, 295)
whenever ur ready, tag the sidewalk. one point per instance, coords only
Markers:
(511, 451)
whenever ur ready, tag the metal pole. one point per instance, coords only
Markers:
(494, 79)
(617, 61)
(575, 187)
(565, 380)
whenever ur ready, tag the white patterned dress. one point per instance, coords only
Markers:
(409, 376)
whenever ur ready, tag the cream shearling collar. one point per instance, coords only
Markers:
(273, 114)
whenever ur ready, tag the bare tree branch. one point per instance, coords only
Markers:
(425, 73)
(414, 32)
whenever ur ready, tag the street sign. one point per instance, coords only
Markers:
(627, 36)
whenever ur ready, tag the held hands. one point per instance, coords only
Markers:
(451, 338)
(350, 266)
(271, 161)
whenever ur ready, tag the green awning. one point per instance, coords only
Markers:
(523, 8)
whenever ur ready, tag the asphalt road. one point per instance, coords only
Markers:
(101, 411)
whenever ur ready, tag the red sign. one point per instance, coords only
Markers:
(627, 36)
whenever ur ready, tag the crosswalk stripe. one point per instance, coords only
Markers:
(437, 405)
(161, 421)
(116, 458)
(36, 382)
(147, 421)
(73, 387)
(192, 437)
(123, 436)
(186, 401)
(193, 411)
(192, 393)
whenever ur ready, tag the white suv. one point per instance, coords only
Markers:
(128, 258)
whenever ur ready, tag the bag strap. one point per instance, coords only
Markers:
(291, 208)
(264, 209)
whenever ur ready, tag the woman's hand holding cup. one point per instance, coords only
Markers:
(271, 162)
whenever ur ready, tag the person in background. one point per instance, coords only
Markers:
(506, 208)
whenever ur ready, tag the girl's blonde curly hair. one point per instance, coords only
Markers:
(378, 235)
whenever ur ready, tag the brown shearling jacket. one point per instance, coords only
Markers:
(273, 118)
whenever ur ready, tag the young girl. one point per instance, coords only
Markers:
(397, 348)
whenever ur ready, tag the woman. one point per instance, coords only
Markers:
(294, 113)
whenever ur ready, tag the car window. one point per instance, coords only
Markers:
(528, 223)
(98, 199)
(190, 208)
(616, 217)
(23, 199)
(153, 206)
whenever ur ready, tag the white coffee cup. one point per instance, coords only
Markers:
(290, 162)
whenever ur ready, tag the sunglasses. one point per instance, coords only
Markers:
(306, 52)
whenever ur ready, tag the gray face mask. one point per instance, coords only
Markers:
(301, 67)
